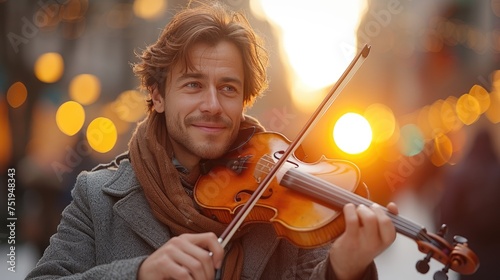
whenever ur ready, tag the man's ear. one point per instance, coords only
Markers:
(158, 101)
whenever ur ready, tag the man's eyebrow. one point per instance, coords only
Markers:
(194, 75)
(189, 75)
(232, 80)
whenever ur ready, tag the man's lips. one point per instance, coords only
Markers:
(211, 127)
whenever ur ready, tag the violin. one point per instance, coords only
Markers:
(304, 201)
(263, 181)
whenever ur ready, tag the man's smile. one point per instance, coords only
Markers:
(210, 127)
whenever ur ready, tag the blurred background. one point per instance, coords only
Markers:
(419, 118)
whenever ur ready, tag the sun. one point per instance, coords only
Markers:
(352, 133)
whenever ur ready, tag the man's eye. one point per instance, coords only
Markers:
(193, 85)
(228, 88)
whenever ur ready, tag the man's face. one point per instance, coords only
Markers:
(203, 106)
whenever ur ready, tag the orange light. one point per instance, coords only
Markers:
(16, 94)
(49, 67)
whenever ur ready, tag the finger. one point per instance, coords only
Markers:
(368, 219)
(204, 249)
(393, 208)
(351, 219)
(386, 227)
(210, 243)
(186, 267)
(166, 263)
(189, 259)
(205, 264)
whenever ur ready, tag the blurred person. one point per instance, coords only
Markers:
(136, 217)
(470, 204)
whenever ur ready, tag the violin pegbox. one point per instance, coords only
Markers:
(458, 257)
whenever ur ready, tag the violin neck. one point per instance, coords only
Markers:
(336, 196)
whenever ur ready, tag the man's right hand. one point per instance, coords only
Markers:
(186, 256)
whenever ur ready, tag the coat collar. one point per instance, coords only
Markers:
(133, 207)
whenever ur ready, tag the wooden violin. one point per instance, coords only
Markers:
(264, 182)
(305, 200)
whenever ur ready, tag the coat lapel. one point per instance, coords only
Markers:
(133, 207)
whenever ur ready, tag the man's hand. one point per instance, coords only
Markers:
(186, 256)
(368, 232)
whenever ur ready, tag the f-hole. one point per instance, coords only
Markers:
(238, 196)
(277, 155)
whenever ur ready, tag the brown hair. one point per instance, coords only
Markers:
(208, 23)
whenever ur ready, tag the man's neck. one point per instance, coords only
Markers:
(189, 175)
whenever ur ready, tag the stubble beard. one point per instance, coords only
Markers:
(210, 147)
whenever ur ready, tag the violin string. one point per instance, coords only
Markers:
(342, 197)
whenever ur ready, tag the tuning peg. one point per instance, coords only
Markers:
(457, 239)
(423, 265)
(442, 274)
(460, 239)
(442, 231)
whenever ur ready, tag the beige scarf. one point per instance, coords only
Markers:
(150, 151)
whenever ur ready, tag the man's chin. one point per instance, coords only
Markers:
(211, 155)
(211, 152)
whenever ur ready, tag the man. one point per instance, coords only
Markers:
(136, 217)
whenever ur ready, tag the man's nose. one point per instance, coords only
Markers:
(210, 101)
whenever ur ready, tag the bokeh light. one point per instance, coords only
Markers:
(17, 94)
(149, 9)
(411, 140)
(449, 118)
(352, 133)
(382, 121)
(85, 89)
(102, 134)
(130, 106)
(108, 111)
(74, 10)
(493, 112)
(482, 96)
(70, 117)
(468, 109)
(49, 67)
(443, 150)
(423, 124)
(434, 118)
(6, 139)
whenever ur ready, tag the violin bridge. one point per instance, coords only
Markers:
(264, 165)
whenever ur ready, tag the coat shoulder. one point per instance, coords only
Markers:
(116, 178)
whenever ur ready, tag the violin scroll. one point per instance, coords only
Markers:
(458, 257)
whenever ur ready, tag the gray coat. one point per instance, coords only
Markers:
(108, 230)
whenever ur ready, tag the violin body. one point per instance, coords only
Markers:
(303, 201)
(304, 221)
